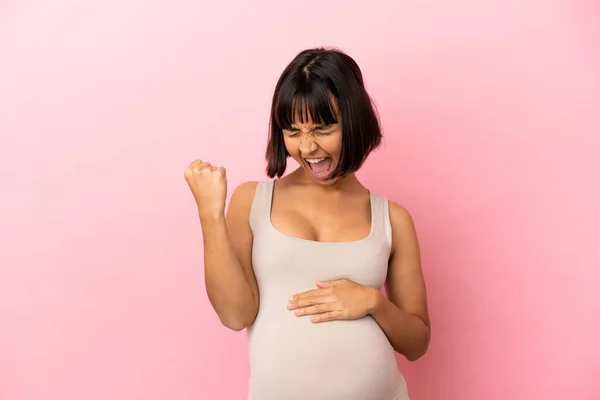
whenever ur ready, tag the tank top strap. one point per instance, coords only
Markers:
(381, 217)
(260, 213)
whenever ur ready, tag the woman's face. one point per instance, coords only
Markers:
(316, 147)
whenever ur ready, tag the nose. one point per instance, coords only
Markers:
(308, 145)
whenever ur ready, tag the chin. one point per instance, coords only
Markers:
(328, 182)
(323, 181)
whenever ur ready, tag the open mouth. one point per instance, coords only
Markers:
(320, 167)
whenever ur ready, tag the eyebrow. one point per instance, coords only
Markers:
(321, 126)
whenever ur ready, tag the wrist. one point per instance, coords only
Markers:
(376, 301)
(208, 218)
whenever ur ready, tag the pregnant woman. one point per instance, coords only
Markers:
(300, 260)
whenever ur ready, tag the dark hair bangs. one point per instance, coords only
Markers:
(309, 100)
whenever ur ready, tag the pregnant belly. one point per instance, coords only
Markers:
(294, 358)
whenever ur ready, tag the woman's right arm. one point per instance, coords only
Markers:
(230, 282)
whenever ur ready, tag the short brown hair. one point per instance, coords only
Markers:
(309, 84)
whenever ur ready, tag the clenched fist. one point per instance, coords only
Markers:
(209, 187)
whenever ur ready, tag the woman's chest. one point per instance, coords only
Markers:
(321, 221)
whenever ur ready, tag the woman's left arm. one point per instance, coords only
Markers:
(403, 315)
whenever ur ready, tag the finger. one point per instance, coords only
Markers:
(327, 316)
(308, 300)
(305, 294)
(201, 166)
(193, 169)
(330, 283)
(220, 170)
(312, 292)
(316, 309)
(197, 163)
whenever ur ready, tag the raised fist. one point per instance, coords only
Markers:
(209, 187)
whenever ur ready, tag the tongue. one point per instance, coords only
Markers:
(322, 167)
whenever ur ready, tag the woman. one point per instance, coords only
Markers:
(301, 260)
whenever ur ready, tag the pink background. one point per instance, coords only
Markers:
(491, 117)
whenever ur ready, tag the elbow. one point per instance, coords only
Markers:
(418, 351)
(414, 356)
(237, 323)
(234, 325)
(236, 317)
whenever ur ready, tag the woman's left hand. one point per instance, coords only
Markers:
(334, 300)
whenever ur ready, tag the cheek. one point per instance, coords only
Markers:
(291, 146)
(333, 147)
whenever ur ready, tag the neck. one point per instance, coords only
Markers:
(345, 183)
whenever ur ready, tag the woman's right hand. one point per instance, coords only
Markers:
(209, 187)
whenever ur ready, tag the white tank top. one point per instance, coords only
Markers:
(292, 358)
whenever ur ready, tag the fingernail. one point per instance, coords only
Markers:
(289, 304)
(297, 311)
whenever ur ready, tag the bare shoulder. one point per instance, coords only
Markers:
(244, 193)
(403, 227)
(238, 221)
(240, 205)
(400, 217)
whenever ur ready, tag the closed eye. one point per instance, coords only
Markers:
(292, 132)
(320, 129)
(325, 128)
